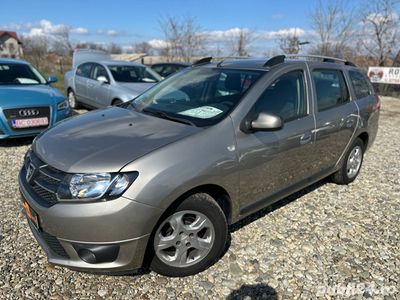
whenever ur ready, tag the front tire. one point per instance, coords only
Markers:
(351, 164)
(190, 238)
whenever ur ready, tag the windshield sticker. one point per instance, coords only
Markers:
(203, 112)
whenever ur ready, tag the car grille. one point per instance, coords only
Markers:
(54, 244)
(44, 181)
(30, 112)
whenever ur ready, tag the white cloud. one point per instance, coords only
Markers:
(80, 30)
(158, 44)
(224, 34)
(379, 18)
(109, 32)
(272, 35)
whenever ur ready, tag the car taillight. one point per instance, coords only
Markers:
(377, 105)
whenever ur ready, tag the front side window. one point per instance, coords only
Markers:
(19, 74)
(130, 74)
(203, 96)
(84, 70)
(330, 87)
(360, 84)
(97, 71)
(285, 97)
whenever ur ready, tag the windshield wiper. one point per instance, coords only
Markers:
(164, 115)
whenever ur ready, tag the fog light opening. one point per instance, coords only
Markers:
(87, 256)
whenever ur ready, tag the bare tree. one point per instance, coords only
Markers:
(333, 23)
(36, 49)
(381, 25)
(183, 38)
(289, 43)
(62, 43)
(114, 48)
(238, 42)
(143, 47)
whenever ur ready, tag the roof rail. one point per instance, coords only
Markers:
(321, 58)
(202, 61)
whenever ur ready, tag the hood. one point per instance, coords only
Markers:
(40, 94)
(106, 140)
(137, 87)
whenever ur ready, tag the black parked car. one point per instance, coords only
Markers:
(168, 68)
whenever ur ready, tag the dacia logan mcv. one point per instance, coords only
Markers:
(157, 180)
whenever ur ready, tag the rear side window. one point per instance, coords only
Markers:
(84, 70)
(360, 84)
(285, 97)
(331, 88)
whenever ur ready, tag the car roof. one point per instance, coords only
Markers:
(13, 61)
(120, 63)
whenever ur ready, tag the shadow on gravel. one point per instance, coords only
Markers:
(255, 291)
(265, 211)
(16, 142)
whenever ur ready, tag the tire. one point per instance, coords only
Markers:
(117, 102)
(72, 99)
(351, 164)
(179, 247)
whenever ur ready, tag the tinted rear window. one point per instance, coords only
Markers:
(360, 84)
(330, 87)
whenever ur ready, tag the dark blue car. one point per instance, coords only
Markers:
(28, 103)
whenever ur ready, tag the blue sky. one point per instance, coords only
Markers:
(127, 22)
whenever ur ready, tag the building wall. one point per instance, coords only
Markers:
(9, 47)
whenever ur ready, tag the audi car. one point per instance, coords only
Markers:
(28, 102)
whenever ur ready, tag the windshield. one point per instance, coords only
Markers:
(133, 74)
(19, 74)
(203, 96)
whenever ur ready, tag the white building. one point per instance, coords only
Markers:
(10, 45)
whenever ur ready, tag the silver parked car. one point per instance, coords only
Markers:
(97, 81)
(157, 180)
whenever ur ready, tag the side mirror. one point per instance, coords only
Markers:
(266, 121)
(51, 79)
(102, 79)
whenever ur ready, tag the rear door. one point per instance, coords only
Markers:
(336, 115)
(99, 92)
(81, 80)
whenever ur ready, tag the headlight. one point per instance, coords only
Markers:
(63, 105)
(95, 186)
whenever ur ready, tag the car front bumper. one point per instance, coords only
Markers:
(115, 232)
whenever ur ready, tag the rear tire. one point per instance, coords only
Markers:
(73, 103)
(352, 163)
(190, 238)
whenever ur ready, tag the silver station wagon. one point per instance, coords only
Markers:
(156, 181)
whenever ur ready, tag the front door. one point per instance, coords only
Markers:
(99, 92)
(274, 161)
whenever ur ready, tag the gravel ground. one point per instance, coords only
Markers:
(325, 241)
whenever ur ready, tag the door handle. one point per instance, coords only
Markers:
(305, 138)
